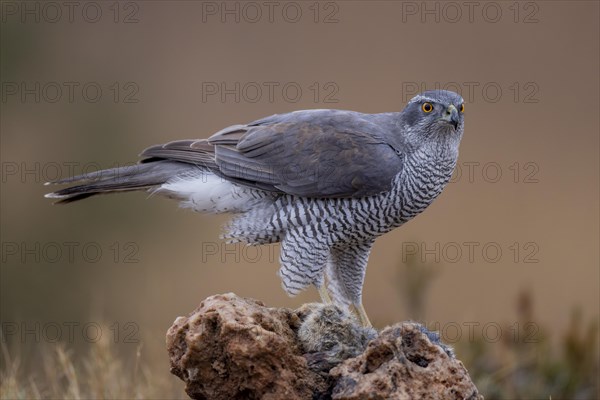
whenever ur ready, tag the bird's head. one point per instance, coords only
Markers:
(434, 115)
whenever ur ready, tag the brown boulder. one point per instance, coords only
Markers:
(404, 362)
(236, 348)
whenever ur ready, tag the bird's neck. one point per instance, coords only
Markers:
(426, 172)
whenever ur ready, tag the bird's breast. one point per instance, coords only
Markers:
(422, 180)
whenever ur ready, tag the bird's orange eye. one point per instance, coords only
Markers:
(462, 108)
(427, 107)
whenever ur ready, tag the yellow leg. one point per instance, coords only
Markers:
(324, 295)
(362, 314)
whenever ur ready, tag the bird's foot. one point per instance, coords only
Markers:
(325, 298)
(362, 315)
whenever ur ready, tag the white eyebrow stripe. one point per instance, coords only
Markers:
(429, 99)
(421, 98)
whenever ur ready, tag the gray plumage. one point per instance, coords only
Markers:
(324, 183)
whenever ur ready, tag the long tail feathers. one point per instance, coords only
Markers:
(123, 179)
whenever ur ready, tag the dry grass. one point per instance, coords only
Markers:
(546, 368)
(540, 366)
(100, 374)
(503, 370)
(540, 369)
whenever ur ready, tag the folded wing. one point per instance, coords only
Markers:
(314, 153)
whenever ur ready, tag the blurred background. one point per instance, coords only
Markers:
(505, 263)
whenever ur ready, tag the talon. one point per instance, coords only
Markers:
(325, 298)
(362, 314)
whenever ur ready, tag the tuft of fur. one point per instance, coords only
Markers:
(329, 335)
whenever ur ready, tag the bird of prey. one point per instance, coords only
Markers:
(323, 183)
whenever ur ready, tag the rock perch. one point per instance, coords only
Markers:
(236, 348)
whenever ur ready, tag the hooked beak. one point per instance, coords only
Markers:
(451, 116)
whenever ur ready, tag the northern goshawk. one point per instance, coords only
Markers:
(323, 183)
